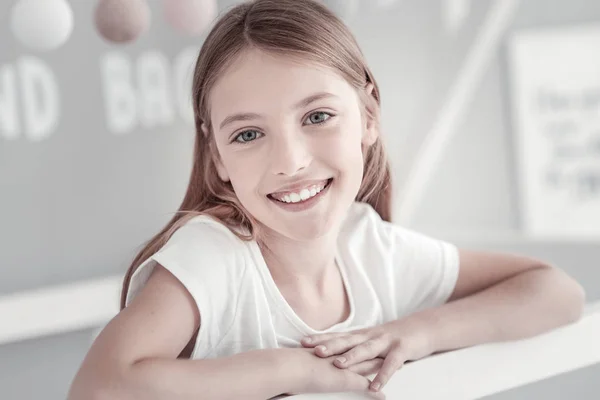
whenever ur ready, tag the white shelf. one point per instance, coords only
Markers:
(463, 374)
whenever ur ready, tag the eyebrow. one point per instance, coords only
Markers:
(239, 117)
(250, 116)
(312, 98)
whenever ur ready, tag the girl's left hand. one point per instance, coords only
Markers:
(396, 342)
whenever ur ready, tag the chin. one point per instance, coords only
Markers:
(301, 229)
(308, 232)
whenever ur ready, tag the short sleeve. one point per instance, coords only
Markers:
(425, 269)
(409, 269)
(200, 256)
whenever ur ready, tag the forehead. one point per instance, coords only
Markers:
(257, 81)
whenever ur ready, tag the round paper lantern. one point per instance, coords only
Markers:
(345, 9)
(191, 17)
(42, 24)
(121, 21)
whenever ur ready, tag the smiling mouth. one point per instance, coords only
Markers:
(301, 195)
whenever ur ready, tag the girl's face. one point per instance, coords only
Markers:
(289, 137)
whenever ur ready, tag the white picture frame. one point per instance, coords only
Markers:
(554, 83)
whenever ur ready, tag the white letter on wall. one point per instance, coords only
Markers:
(41, 102)
(9, 117)
(152, 76)
(119, 95)
(183, 75)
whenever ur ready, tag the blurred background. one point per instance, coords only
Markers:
(491, 116)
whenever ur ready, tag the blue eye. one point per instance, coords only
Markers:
(318, 117)
(247, 136)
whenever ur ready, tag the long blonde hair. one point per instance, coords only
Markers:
(302, 28)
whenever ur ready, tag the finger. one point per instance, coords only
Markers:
(340, 344)
(359, 384)
(314, 340)
(394, 360)
(375, 395)
(371, 394)
(368, 367)
(366, 350)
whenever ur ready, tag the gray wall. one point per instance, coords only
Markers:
(78, 204)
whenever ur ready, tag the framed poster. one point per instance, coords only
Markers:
(555, 97)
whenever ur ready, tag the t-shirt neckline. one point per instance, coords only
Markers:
(285, 307)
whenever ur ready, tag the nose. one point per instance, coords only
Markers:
(290, 154)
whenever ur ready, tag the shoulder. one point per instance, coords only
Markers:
(364, 229)
(360, 212)
(363, 224)
(422, 270)
(204, 255)
(202, 236)
(203, 230)
(204, 250)
(210, 262)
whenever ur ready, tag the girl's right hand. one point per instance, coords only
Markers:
(319, 375)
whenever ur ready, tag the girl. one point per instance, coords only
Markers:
(281, 272)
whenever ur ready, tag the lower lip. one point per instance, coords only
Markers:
(306, 204)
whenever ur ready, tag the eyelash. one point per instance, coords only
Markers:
(329, 116)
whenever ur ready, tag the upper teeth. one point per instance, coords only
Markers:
(304, 194)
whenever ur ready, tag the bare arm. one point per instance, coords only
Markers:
(135, 356)
(251, 375)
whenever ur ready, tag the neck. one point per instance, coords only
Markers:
(300, 263)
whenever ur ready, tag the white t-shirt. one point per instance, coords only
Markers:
(389, 272)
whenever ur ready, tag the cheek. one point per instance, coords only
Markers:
(348, 147)
(244, 174)
(347, 158)
(245, 191)
(236, 163)
(351, 155)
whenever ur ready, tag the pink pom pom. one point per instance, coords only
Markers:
(122, 21)
(191, 17)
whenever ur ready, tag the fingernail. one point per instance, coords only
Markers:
(341, 360)
(375, 386)
(323, 349)
(307, 340)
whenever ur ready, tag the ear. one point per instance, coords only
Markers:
(371, 132)
(214, 153)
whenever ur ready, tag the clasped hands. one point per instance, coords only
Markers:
(395, 342)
